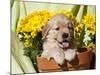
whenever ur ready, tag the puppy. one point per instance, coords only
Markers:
(58, 37)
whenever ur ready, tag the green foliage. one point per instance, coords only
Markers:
(12, 2)
(81, 38)
(84, 11)
(75, 10)
(18, 13)
(35, 50)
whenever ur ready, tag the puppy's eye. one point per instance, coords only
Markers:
(57, 28)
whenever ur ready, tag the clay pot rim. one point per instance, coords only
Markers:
(87, 50)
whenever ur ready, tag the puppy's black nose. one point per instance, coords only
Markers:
(65, 35)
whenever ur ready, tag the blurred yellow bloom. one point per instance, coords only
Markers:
(27, 43)
(33, 34)
(27, 36)
(91, 45)
(90, 22)
(79, 28)
(34, 22)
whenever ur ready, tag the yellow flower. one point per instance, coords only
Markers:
(34, 22)
(90, 22)
(89, 19)
(27, 36)
(79, 28)
(27, 43)
(33, 34)
(91, 45)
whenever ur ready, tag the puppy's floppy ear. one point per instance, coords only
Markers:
(45, 30)
(71, 24)
(71, 27)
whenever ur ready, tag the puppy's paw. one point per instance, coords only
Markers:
(59, 57)
(70, 54)
(45, 55)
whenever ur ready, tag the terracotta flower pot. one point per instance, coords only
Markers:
(93, 61)
(81, 62)
(47, 66)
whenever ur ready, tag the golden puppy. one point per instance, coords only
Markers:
(58, 36)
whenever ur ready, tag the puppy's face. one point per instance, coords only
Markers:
(60, 28)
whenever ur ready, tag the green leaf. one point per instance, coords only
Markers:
(75, 10)
(17, 51)
(24, 5)
(33, 54)
(27, 52)
(18, 13)
(83, 32)
(12, 2)
(15, 66)
(84, 11)
(82, 37)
